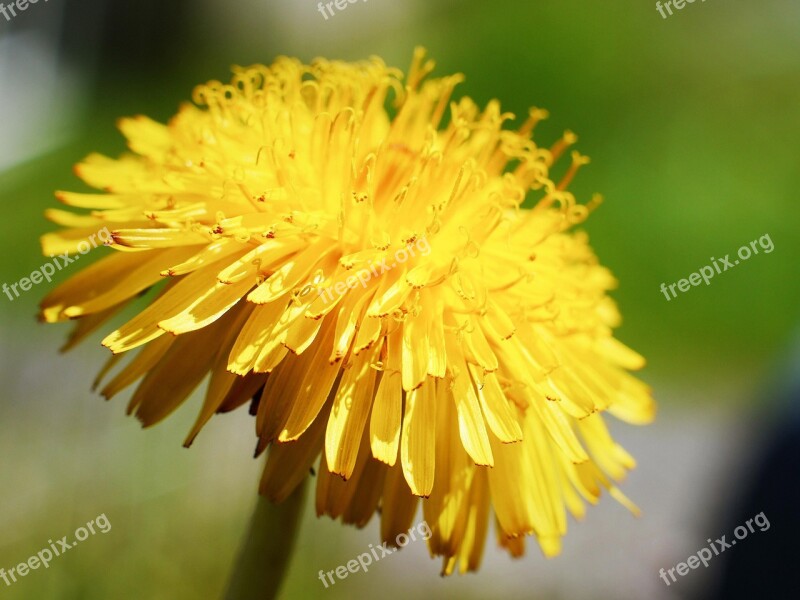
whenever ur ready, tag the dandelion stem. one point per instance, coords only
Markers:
(264, 557)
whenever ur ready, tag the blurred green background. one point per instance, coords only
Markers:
(692, 125)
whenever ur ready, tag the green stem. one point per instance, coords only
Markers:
(264, 556)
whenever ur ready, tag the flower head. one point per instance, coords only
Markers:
(348, 248)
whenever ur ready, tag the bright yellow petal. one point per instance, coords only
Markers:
(418, 442)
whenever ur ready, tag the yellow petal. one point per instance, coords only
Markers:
(280, 393)
(290, 274)
(214, 252)
(98, 201)
(147, 358)
(315, 388)
(66, 218)
(390, 294)
(254, 336)
(364, 501)
(418, 443)
(415, 351)
(300, 330)
(260, 258)
(108, 282)
(176, 375)
(387, 411)
(157, 238)
(399, 506)
(446, 509)
(288, 463)
(437, 352)
(173, 300)
(334, 494)
(146, 136)
(471, 426)
(500, 413)
(222, 381)
(350, 315)
(89, 324)
(477, 523)
(206, 307)
(368, 334)
(349, 415)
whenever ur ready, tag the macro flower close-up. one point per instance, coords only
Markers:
(399, 298)
(345, 249)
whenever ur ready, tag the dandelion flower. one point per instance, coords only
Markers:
(346, 248)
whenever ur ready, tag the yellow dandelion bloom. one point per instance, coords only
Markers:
(346, 247)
